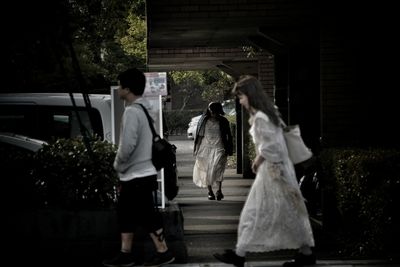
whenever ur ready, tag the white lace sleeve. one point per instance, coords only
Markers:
(266, 141)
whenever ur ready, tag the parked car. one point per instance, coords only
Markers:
(16, 161)
(20, 141)
(52, 115)
(192, 126)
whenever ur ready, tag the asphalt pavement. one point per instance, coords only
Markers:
(210, 226)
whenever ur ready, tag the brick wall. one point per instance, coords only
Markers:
(345, 61)
(266, 73)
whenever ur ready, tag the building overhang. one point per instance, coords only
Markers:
(181, 33)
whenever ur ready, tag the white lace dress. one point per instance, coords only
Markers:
(274, 215)
(211, 158)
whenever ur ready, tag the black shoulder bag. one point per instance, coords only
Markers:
(164, 156)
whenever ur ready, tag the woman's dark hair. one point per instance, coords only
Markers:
(216, 108)
(134, 80)
(257, 97)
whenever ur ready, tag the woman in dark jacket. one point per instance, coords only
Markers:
(212, 146)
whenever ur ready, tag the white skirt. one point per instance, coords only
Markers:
(274, 215)
(209, 166)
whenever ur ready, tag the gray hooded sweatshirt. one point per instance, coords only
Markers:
(133, 159)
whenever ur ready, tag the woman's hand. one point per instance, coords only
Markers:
(256, 163)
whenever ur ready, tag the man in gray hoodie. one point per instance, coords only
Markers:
(138, 176)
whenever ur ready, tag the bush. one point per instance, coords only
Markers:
(232, 123)
(365, 184)
(68, 176)
(177, 121)
(18, 187)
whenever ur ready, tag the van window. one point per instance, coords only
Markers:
(48, 122)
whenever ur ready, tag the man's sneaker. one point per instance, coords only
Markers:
(160, 259)
(230, 257)
(301, 260)
(121, 260)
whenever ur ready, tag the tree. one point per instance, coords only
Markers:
(218, 86)
(106, 33)
(134, 43)
(40, 48)
(210, 85)
(189, 83)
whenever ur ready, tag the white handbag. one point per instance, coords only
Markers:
(298, 151)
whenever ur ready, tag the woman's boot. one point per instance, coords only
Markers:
(219, 195)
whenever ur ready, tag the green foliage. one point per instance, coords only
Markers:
(211, 85)
(134, 43)
(232, 124)
(18, 186)
(218, 86)
(250, 148)
(177, 121)
(186, 78)
(366, 185)
(42, 59)
(188, 83)
(251, 51)
(232, 161)
(102, 32)
(68, 176)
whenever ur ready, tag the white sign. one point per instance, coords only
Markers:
(117, 108)
(156, 84)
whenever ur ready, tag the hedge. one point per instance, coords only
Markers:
(365, 185)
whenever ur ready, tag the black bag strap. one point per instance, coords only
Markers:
(150, 119)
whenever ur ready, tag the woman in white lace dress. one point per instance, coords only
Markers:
(212, 145)
(274, 216)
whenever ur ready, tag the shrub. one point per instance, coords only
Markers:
(232, 123)
(177, 121)
(366, 187)
(18, 186)
(68, 176)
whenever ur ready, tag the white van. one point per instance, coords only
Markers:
(51, 115)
